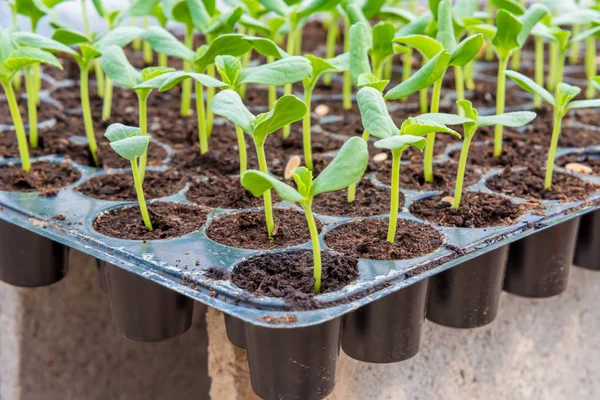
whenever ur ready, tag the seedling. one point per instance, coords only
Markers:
(562, 103)
(377, 121)
(90, 49)
(230, 106)
(131, 144)
(13, 60)
(149, 8)
(506, 37)
(346, 168)
(471, 122)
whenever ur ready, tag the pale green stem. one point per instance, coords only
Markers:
(429, 148)
(201, 116)
(37, 81)
(15, 113)
(423, 101)
(388, 69)
(99, 78)
(407, 65)
(287, 89)
(186, 86)
(347, 84)
(500, 104)
(576, 47)
(352, 188)
(469, 73)
(395, 195)
(306, 129)
(107, 104)
(560, 68)
(590, 66)
(143, 122)
(136, 42)
(86, 21)
(148, 56)
(16, 81)
(462, 165)
(31, 108)
(332, 35)
(87, 112)
(262, 165)
(378, 68)
(316, 245)
(242, 149)
(137, 182)
(553, 145)
(459, 83)
(515, 60)
(552, 66)
(298, 44)
(162, 60)
(245, 60)
(539, 69)
(210, 93)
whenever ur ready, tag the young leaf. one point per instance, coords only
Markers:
(232, 44)
(426, 45)
(118, 131)
(41, 42)
(303, 178)
(149, 73)
(228, 67)
(529, 85)
(116, 65)
(401, 142)
(593, 103)
(383, 34)
(25, 56)
(508, 29)
(418, 126)
(132, 147)
(360, 44)
(164, 42)
(374, 113)
(287, 109)
(347, 167)
(444, 118)
(258, 183)
(119, 37)
(280, 72)
(229, 105)
(565, 93)
(421, 79)
(532, 16)
(512, 119)
(199, 15)
(445, 34)
(266, 47)
(69, 37)
(172, 79)
(371, 80)
(466, 50)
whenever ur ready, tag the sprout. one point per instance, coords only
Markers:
(149, 8)
(131, 144)
(347, 167)
(471, 122)
(89, 50)
(288, 109)
(562, 103)
(377, 121)
(13, 60)
(506, 37)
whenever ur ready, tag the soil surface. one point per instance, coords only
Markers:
(108, 158)
(371, 199)
(221, 192)
(477, 210)
(46, 111)
(444, 176)
(47, 178)
(248, 229)
(169, 220)
(529, 183)
(119, 187)
(367, 238)
(592, 161)
(287, 273)
(515, 152)
(47, 145)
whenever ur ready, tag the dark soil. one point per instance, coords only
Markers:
(257, 98)
(119, 187)
(477, 210)
(590, 160)
(47, 145)
(284, 274)
(108, 158)
(516, 152)
(588, 116)
(46, 111)
(444, 176)
(367, 238)
(277, 164)
(370, 200)
(248, 229)
(529, 183)
(45, 177)
(222, 192)
(169, 220)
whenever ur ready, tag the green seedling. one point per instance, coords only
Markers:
(370, 48)
(91, 48)
(14, 59)
(347, 167)
(119, 70)
(471, 122)
(150, 8)
(230, 106)
(131, 144)
(377, 121)
(562, 102)
(506, 37)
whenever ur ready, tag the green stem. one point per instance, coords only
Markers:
(539, 69)
(500, 103)
(262, 165)
(201, 118)
(347, 84)
(162, 60)
(459, 83)
(143, 122)
(245, 60)
(560, 68)
(462, 165)
(86, 21)
(576, 47)
(87, 112)
(469, 73)
(272, 89)
(352, 188)
(210, 93)
(395, 195)
(31, 108)
(388, 69)
(590, 66)
(136, 42)
(99, 78)
(242, 149)
(137, 182)
(423, 101)
(148, 56)
(553, 145)
(428, 157)
(287, 89)
(552, 66)
(186, 86)
(515, 60)
(16, 81)
(332, 35)
(316, 245)
(37, 81)
(15, 113)
(306, 129)
(407, 65)
(107, 104)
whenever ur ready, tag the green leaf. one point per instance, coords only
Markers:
(466, 50)
(287, 109)
(69, 37)
(228, 67)
(401, 142)
(303, 178)
(418, 126)
(445, 34)
(487, 30)
(512, 119)
(529, 85)
(277, 6)
(99, 7)
(383, 34)
(415, 27)
(593, 103)
(371, 80)
(199, 15)
(34, 9)
(266, 47)
(132, 147)
(232, 44)
(179, 11)
(88, 52)
(371, 8)
(360, 44)
(229, 105)
(225, 22)
(6, 47)
(280, 72)
(25, 56)
(119, 36)
(434, 7)
(347, 167)
(512, 6)
(426, 45)
(318, 67)
(396, 14)
(468, 109)
(173, 79)
(315, 6)
(117, 131)
(152, 72)
(423, 78)
(116, 65)
(508, 29)
(532, 16)
(258, 183)
(374, 113)
(565, 93)
(164, 42)
(255, 25)
(41, 42)
(444, 118)
(585, 34)
(141, 8)
(578, 16)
